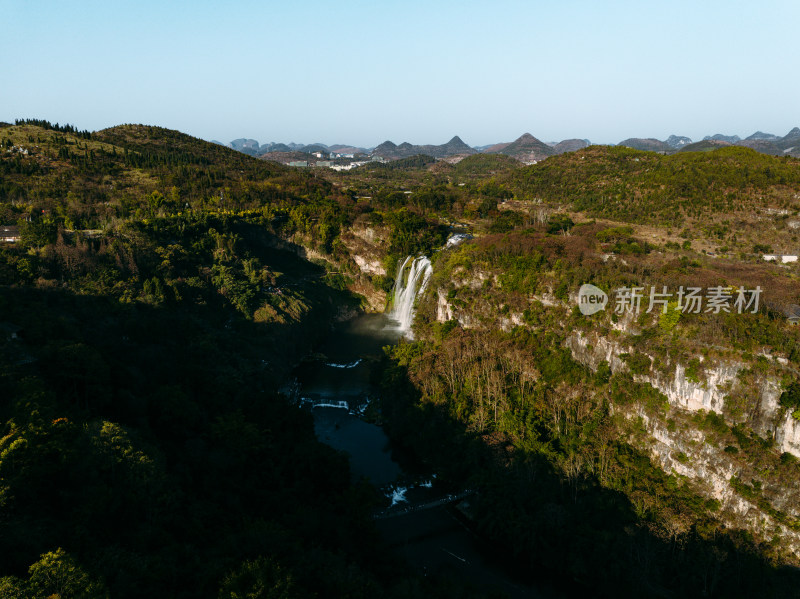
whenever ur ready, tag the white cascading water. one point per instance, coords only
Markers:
(407, 286)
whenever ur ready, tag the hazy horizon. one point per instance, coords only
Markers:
(357, 73)
(398, 142)
(444, 141)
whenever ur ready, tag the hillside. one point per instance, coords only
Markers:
(667, 429)
(133, 170)
(613, 409)
(346, 149)
(486, 165)
(731, 198)
(620, 179)
(765, 143)
(153, 317)
(163, 288)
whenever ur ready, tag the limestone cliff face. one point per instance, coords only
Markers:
(593, 354)
(686, 452)
(481, 315)
(765, 415)
(444, 311)
(366, 246)
(680, 447)
(694, 396)
(477, 315)
(371, 267)
(787, 435)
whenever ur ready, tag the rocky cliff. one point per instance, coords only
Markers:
(721, 426)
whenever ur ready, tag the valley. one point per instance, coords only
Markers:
(184, 322)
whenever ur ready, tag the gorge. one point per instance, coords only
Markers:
(162, 290)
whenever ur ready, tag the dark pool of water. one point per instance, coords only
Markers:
(335, 383)
(370, 454)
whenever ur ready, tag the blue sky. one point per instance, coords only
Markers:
(363, 72)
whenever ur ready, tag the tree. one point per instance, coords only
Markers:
(155, 200)
(603, 373)
(58, 574)
(38, 232)
(791, 397)
(559, 223)
(261, 578)
(668, 320)
(12, 587)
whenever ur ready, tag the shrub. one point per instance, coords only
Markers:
(558, 223)
(638, 362)
(603, 373)
(791, 397)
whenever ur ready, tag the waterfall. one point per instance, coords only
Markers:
(412, 278)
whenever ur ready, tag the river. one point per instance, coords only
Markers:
(422, 524)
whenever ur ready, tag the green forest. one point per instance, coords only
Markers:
(163, 288)
(155, 312)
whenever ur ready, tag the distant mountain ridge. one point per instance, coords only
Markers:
(762, 145)
(731, 139)
(252, 147)
(677, 141)
(760, 135)
(455, 147)
(705, 145)
(765, 143)
(648, 144)
(529, 149)
(571, 145)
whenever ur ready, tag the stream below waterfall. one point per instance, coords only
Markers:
(420, 522)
